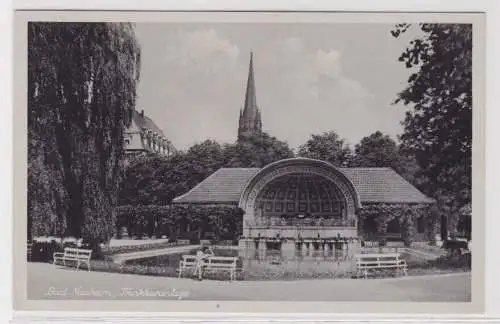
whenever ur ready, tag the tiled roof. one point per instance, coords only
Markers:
(143, 121)
(377, 185)
(223, 186)
(133, 141)
(383, 185)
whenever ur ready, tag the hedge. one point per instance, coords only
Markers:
(192, 222)
(42, 251)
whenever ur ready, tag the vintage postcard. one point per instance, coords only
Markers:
(249, 162)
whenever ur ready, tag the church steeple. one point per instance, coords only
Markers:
(250, 121)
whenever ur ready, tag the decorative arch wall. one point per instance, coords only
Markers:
(294, 166)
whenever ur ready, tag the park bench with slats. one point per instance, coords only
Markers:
(29, 248)
(73, 255)
(366, 263)
(210, 264)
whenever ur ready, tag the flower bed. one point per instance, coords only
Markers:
(143, 247)
(171, 271)
(167, 266)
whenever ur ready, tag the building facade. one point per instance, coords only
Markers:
(145, 137)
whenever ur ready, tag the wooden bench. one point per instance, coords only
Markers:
(29, 248)
(80, 256)
(380, 261)
(210, 264)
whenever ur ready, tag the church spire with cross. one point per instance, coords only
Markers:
(250, 122)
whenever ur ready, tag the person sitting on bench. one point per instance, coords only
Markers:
(208, 251)
(201, 256)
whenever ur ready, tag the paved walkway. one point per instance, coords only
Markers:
(131, 242)
(46, 281)
(120, 258)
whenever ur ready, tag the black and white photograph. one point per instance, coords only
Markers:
(238, 160)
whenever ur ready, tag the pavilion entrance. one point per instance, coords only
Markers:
(301, 206)
(299, 199)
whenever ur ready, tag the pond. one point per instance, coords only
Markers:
(266, 264)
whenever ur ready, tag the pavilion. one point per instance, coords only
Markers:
(308, 198)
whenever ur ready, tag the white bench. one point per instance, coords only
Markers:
(29, 248)
(210, 264)
(187, 262)
(80, 256)
(380, 261)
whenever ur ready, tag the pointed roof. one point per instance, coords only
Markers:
(143, 121)
(250, 109)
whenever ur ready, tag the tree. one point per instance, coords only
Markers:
(256, 151)
(81, 93)
(46, 195)
(379, 150)
(327, 147)
(158, 180)
(438, 129)
(207, 157)
(143, 182)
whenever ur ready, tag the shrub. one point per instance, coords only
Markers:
(453, 245)
(193, 222)
(448, 262)
(44, 251)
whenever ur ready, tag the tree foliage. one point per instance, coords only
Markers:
(379, 150)
(329, 147)
(219, 222)
(206, 158)
(256, 151)
(438, 128)
(158, 180)
(81, 92)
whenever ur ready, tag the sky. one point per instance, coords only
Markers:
(310, 78)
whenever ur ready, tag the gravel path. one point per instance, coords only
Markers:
(46, 281)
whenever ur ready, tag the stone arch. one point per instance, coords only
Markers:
(292, 166)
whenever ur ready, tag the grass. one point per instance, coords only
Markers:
(171, 271)
(440, 266)
(268, 274)
(450, 263)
